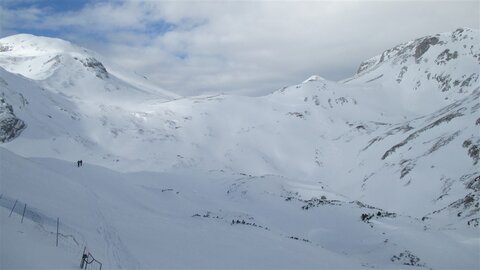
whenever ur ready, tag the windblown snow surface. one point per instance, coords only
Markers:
(379, 170)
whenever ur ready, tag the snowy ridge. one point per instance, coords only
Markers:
(61, 66)
(320, 169)
(440, 68)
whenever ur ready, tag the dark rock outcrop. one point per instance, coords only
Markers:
(425, 45)
(96, 66)
(10, 125)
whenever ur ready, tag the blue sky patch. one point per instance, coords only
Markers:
(159, 28)
(53, 5)
(181, 55)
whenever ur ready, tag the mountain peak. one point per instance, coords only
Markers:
(63, 66)
(441, 67)
(27, 45)
(38, 57)
(314, 78)
(417, 48)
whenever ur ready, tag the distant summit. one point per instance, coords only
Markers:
(62, 66)
(417, 48)
(446, 65)
(31, 45)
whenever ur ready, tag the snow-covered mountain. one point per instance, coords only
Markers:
(62, 67)
(368, 172)
(439, 69)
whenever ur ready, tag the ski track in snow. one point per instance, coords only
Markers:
(118, 255)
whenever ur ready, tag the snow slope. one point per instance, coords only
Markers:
(184, 220)
(397, 143)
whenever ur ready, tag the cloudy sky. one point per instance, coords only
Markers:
(238, 47)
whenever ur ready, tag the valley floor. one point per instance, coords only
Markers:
(208, 220)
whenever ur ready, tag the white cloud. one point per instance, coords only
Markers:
(253, 47)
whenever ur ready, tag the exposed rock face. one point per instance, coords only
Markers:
(402, 52)
(417, 48)
(446, 56)
(424, 45)
(10, 125)
(5, 48)
(366, 65)
(96, 66)
(473, 150)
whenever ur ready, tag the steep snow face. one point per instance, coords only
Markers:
(438, 69)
